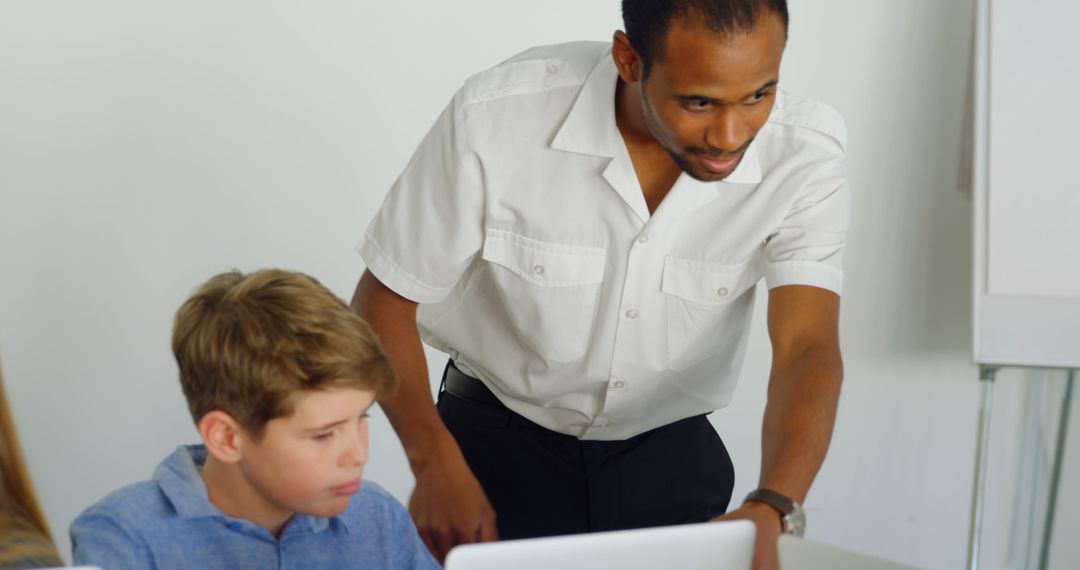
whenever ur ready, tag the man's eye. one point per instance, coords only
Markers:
(697, 104)
(758, 97)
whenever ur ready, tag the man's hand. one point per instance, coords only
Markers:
(769, 527)
(450, 508)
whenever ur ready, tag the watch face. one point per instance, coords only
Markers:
(795, 522)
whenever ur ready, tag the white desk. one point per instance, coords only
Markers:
(799, 554)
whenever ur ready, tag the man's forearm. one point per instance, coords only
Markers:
(411, 410)
(799, 418)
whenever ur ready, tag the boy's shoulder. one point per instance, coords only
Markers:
(378, 522)
(175, 487)
(135, 505)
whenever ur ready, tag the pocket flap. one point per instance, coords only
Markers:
(545, 264)
(706, 283)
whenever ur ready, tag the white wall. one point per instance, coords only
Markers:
(145, 145)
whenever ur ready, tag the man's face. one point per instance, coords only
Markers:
(310, 462)
(706, 98)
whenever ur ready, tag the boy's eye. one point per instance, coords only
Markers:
(322, 436)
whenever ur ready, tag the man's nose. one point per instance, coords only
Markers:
(727, 132)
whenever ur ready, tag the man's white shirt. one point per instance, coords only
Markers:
(520, 227)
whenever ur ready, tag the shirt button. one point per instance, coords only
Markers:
(538, 270)
(553, 68)
(643, 240)
(619, 384)
(631, 314)
(722, 292)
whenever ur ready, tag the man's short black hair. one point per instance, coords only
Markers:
(647, 21)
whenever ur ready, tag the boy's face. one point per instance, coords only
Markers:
(310, 462)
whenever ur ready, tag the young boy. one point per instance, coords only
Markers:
(279, 375)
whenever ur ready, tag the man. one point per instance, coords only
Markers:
(582, 230)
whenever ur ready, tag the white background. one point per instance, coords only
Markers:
(147, 145)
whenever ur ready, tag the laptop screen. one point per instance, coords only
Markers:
(705, 546)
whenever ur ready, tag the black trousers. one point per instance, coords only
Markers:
(543, 483)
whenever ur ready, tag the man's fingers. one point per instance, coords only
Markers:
(489, 532)
(429, 541)
(437, 540)
(442, 541)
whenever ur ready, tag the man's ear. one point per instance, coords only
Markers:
(627, 61)
(223, 436)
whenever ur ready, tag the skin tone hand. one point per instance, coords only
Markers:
(769, 528)
(448, 505)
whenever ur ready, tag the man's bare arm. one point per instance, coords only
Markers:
(804, 388)
(448, 504)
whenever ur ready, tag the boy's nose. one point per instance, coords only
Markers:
(353, 457)
(355, 454)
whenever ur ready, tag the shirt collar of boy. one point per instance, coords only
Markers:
(179, 479)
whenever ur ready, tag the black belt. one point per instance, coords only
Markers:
(468, 388)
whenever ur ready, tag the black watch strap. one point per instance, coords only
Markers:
(773, 499)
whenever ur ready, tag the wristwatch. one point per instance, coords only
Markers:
(791, 513)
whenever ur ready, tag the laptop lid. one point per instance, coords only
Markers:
(704, 546)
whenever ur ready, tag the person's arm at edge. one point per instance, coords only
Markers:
(448, 505)
(804, 388)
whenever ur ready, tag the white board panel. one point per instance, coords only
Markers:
(1034, 151)
(1027, 184)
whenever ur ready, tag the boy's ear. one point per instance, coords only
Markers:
(222, 436)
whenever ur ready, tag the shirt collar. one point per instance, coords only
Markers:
(179, 479)
(590, 126)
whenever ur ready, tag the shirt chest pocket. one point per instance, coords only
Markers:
(549, 291)
(708, 306)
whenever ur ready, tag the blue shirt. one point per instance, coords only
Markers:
(169, 522)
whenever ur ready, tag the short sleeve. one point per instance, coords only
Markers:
(429, 227)
(97, 539)
(807, 247)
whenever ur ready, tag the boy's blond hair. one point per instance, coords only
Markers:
(246, 344)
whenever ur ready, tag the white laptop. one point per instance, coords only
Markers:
(705, 546)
